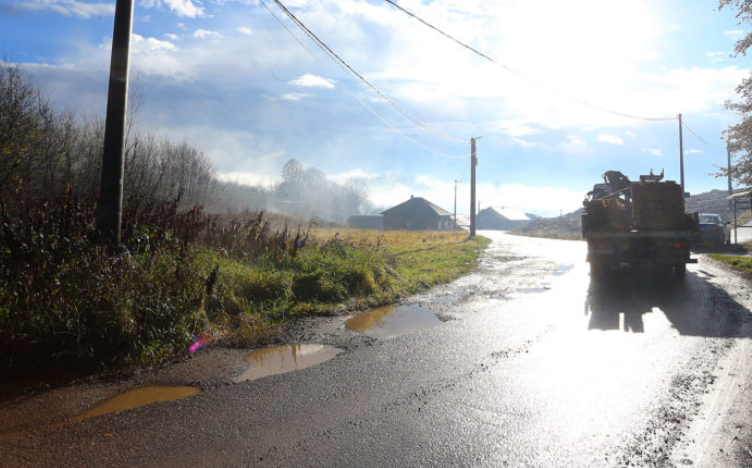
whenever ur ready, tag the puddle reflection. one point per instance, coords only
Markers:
(392, 321)
(281, 359)
(136, 398)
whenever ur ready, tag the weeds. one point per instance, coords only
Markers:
(66, 302)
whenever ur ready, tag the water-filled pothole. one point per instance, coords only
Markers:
(136, 398)
(392, 321)
(281, 359)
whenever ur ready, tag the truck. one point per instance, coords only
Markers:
(637, 224)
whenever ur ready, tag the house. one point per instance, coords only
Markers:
(366, 222)
(417, 214)
(501, 218)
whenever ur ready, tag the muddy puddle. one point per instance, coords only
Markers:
(136, 398)
(281, 359)
(392, 321)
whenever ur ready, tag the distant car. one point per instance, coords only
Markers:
(713, 230)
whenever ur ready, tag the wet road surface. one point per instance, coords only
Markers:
(530, 365)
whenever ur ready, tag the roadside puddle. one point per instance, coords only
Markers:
(136, 398)
(392, 321)
(281, 359)
(562, 269)
(124, 401)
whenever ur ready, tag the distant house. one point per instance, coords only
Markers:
(501, 218)
(417, 214)
(366, 222)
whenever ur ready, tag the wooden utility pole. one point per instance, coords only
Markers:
(473, 163)
(681, 155)
(111, 191)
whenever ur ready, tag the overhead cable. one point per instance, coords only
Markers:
(525, 77)
(345, 66)
(355, 95)
(701, 138)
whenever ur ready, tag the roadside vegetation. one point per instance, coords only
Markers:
(742, 264)
(186, 277)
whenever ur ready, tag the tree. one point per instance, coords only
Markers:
(739, 136)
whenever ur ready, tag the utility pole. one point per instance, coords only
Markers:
(111, 191)
(681, 156)
(455, 204)
(473, 163)
(728, 168)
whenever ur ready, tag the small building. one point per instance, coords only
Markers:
(417, 214)
(501, 218)
(366, 222)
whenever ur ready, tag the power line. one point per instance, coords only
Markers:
(702, 139)
(363, 103)
(525, 77)
(345, 66)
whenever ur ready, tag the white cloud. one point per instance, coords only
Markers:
(631, 134)
(312, 81)
(172, 37)
(294, 97)
(69, 7)
(694, 151)
(185, 8)
(245, 31)
(735, 34)
(611, 139)
(716, 57)
(654, 151)
(205, 34)
(150, 45)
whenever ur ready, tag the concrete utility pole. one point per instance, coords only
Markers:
(111, 191)
(730, 189)
(681, 155)
(473, 163)
(455, 204)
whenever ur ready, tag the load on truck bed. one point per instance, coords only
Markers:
(638, 224)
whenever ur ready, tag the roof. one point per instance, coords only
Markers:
(745, 193)
(512, 214)
(416, 206)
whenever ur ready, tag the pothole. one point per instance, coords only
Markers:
(288, 358)
(392, 321)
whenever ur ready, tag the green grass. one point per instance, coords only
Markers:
(743, 264)
(338, 270)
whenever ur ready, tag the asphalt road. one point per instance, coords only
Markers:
(532, 365)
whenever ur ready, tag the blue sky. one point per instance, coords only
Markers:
(226, 76)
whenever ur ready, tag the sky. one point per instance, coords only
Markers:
(553, 111)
